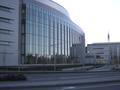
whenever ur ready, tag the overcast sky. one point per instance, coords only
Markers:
(96, 18)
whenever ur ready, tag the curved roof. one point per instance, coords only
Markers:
(61, 9)
(55, 6)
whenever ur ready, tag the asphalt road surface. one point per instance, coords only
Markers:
(66, 81)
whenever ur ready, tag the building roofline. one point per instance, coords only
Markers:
(104, 43)
(54, 5)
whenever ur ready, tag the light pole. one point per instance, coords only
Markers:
(54, 57)
(117, 56)
(36, 57)
(109, 48)
(4, 57)
(54, 63)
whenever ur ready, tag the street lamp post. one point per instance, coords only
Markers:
(54, 63)
(54, 57)
(4, 57)
(117, 55)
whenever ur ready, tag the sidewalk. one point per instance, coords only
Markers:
(82, 68)
(103, 68)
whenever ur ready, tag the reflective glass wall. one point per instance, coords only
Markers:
(48, 35)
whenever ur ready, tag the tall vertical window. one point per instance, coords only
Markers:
(48, 34)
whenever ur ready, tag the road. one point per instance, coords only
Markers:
(103, 68)
(66, 81)
(69, 76)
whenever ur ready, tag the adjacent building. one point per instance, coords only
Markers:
(90, 59)
(9, 32)
(105, 53)
(38, 32)
(77, 53)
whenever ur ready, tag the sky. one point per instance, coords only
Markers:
(97, 18)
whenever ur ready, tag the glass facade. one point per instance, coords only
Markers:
(47, 35)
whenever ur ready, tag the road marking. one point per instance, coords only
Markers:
(68, 88)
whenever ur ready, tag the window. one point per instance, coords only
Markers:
(6, 20)
(3, 42)
(4, 8)
(98, 48)
(100, 53)
(5, 31)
